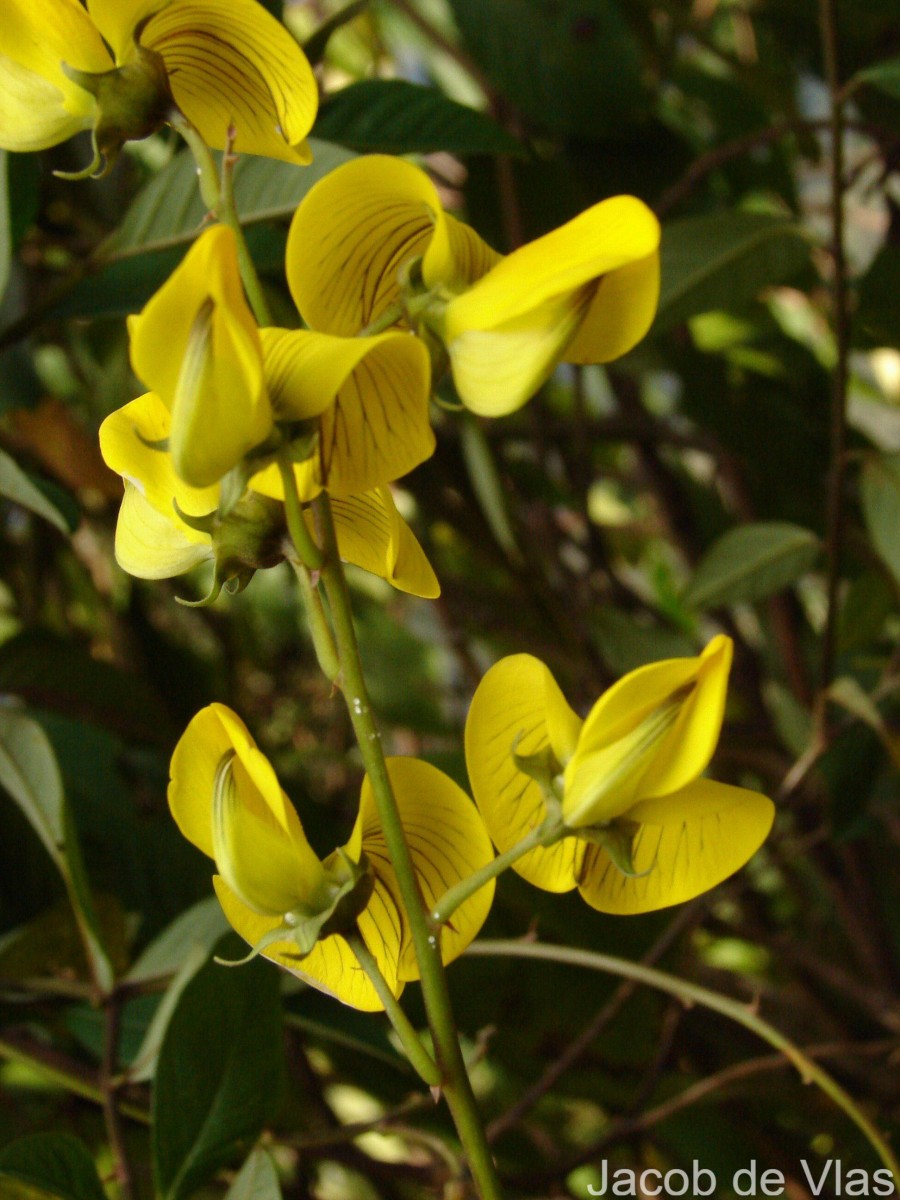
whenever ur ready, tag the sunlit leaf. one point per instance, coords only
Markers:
(880, 490)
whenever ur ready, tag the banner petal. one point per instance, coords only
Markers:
(351, 235)
(509, 714)
(447, 840)
(230, 62)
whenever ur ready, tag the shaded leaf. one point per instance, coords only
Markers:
(169, 210)
(219, 1073)
(880, 492)
(56, 1164)
(884, 75)
(29, 772)
(396, 117)
(202, 925)
(256, 1180)
(17, 486)
(752, 562)
(723, 260)
(50, 672)
(572, 67)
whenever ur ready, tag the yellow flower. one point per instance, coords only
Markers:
(584, 293)
(642, 829)
(154, 542)
(196, 344)
(227, 383)
(279, 896)
(121, 65)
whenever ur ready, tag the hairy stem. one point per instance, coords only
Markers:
(410, 1040)
(426, 941)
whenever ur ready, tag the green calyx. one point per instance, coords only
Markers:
(247, 538)
(618, 840)
(133, 101)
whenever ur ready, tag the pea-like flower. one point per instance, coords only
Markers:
(123, 67)
(629, 820)
(227, 383)
(295, 908)
(166, 527)
(373, 235)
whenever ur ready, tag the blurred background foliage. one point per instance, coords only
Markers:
(625, 515)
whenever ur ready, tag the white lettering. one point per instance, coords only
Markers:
(883, 1182)
(645, 1186)
(738, 1184)
(773, 1180)
(697, 1173)
(624, 1183)
(816, 1186)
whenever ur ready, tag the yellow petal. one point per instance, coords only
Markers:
(456, 256)
(214, 732)
(378, 428)
(38, 39)
(607, 237)
(350, 237)
(152, 546)
(448, 842)
(497, 370)
(228, 62)
(257, 858)
(509, 713)
(620, 312)
(331, 966)
(32, 113)
(672, 760)
(372, 535)
(692, 839)
(127, 438)
(197, 346)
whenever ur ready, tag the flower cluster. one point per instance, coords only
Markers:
(245, 424)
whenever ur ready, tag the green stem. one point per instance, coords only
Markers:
(691, 993)
(541, 835)
(317, 622)
(389, 317)
(835, 506)
(456, 1085)
(218, 196)
(309, 553)
(412, 1043)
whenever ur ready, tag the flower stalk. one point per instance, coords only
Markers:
(454, 1081)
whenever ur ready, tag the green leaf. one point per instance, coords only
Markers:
(572, 67)
(723, 260)
(752, 562)
(393, 116)
(219, 1073)
(257, 1179)
(51, 672)
(15, 485)
(315, 45)
(201, 926)
(29, 772)
(884, 75)
(169, 210)
(55, 1164)
(880, 492)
